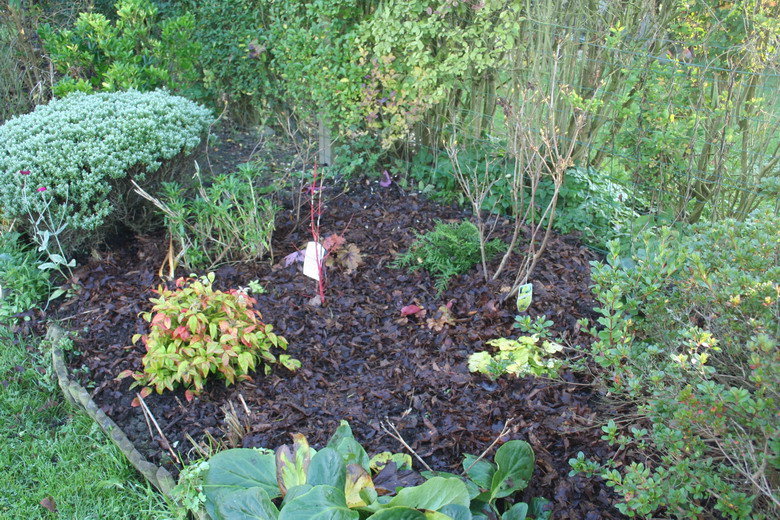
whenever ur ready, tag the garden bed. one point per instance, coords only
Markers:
(361, 359)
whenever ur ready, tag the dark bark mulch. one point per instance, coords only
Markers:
(362, 361)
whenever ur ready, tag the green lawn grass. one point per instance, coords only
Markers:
(49, 450)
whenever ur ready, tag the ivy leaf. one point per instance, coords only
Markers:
(380, 460)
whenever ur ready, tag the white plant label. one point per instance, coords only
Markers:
(312, 259)
(525, 294)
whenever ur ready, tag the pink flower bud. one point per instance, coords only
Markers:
(24, 172)
(42, 188)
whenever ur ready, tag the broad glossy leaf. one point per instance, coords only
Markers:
(456, 512)
(344, 442)
(238, 469)
(246, 504)
(327, 468)
(473, 489)
(480, 472)
(515, 461)
(398, 513)
(436, 515)
(319, 503)
(359, 489)
(516, 512)
(433, 494)
(540, 509)
(295, 492)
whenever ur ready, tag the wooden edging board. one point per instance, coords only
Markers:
(79, 397)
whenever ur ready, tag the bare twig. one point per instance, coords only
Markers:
(148, 413)
(397, 436)
(243, 403)
(197, 446)
(503, 432)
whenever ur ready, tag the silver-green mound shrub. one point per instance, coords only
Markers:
(84, 149)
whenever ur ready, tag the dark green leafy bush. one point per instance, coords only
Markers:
(688, 331)
(137, 50)
(340, 481)
(446, 251)
(233, 53)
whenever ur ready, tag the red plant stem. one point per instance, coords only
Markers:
(315, 230)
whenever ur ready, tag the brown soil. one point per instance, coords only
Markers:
(362, 361)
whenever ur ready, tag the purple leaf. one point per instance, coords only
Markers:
(387, 182)
(297, 256)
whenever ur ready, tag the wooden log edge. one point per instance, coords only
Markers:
(159, 477)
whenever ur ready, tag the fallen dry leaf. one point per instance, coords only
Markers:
(443, 317)
(350, 258)
(49, 504)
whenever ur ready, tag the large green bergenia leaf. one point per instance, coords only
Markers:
(480, 472)
(456, 512)
(344, 442)
(246, 504)
(473, 489)
(515, 461)
(319, 503)
(436, 515)
(518, 511)
(236, 470)
(433, 494)
(398, 513)
(540, 509)
(294, 492)
(327, 468)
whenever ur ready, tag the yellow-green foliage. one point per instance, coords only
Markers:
(197, 331)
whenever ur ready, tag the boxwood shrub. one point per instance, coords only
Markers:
(85, 148)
